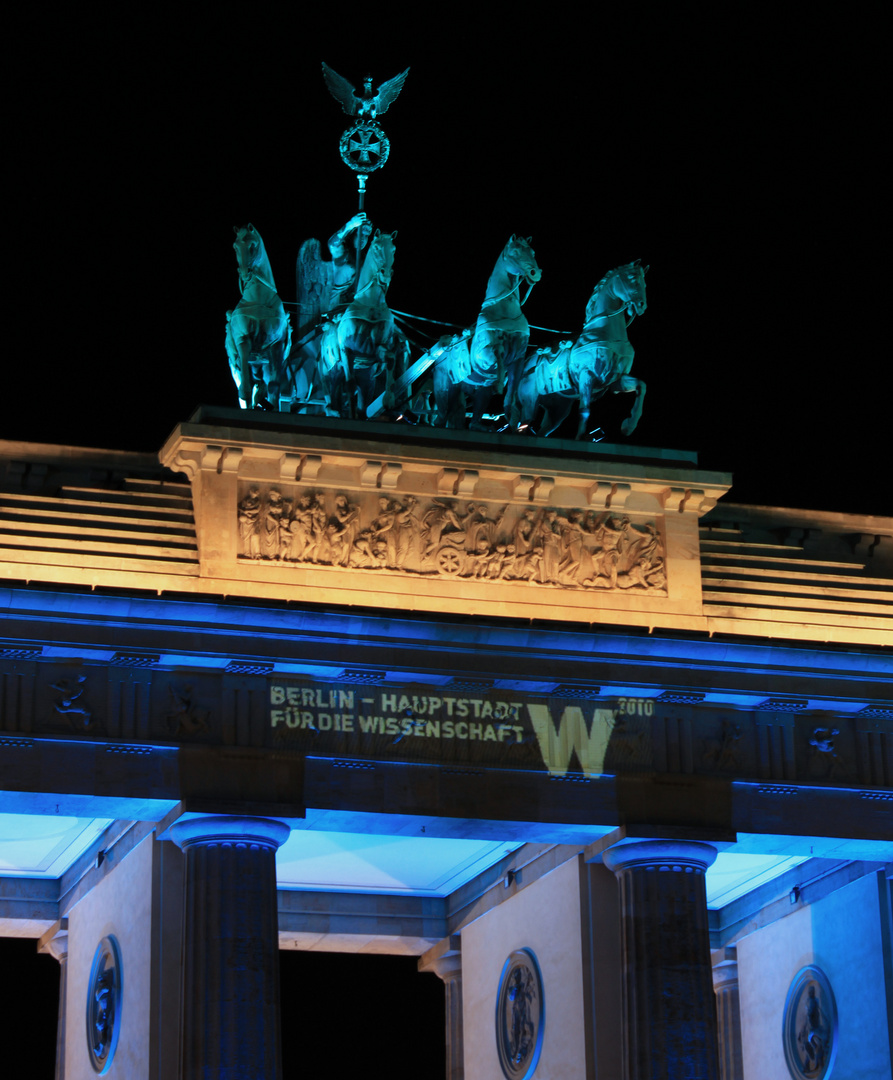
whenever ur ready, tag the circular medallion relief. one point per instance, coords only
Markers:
(364, 146)
(809, 1028)
(520, 1015)
(104, 1004)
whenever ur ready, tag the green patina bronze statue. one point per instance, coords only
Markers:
(258, 333)
(361, 348)
(475, 369)
(597, 363)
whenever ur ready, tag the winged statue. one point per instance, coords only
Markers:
(366, 104)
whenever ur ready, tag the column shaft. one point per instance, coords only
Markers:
(728, 1016)
(455, 1065)
(445, 960)
(231, 1022)
(669, 1012)
(55, 942)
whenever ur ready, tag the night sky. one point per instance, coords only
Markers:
(741, 162)
(738, 155)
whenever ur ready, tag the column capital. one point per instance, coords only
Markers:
(55, 941)
(690, 855)
(221, 829)
(444, 958)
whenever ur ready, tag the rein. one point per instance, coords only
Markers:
(253, 276)
(624, 304)
(515, 288)
(619, 311)
(376, 278)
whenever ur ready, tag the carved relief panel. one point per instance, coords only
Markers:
(576, 548)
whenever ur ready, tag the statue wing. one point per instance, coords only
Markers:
(388, 92)
(314, 285)
(344, 92)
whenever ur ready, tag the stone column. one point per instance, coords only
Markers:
(728, 1014)
(55, 942)
(231, 1023)
(445, 960)
(669, 1014)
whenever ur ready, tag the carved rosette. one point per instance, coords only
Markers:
(479, 540)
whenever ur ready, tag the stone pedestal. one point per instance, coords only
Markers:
(728, 1015)
(231, 1024)
(445, 960)
(669, 1015)
(55, 942)
(244, 470)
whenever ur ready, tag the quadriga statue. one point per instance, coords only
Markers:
(258, 333)
(474, 370)
(597, 363)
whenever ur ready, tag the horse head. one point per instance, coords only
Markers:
(378, 266)
(519, 259)
(627, 284)
(251, 256)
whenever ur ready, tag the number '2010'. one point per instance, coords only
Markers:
(635, 706)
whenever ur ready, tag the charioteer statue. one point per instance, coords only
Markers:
(325, 288)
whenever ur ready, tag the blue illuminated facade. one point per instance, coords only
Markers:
(445, 766)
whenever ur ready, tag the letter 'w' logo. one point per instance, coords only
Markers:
(558, 744)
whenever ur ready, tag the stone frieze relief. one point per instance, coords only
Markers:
(451, 538)
(71, 703)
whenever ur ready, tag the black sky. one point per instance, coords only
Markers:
(740, 159)
(735, 149)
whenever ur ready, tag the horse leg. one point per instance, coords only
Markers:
(629, 424)
(584, 390)
(280, 380)
(555, 409)
(342, 380)
(232, 353)
(523, 405)
(441, 395)
(455, 414)
(515, 362)
(364, 378)
(246, 375)
(448, 397)
(480, 399)
(333, 390)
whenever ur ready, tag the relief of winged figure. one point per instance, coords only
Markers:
(365, 104)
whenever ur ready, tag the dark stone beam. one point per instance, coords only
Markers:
(450, 645)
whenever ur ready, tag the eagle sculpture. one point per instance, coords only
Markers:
(365, 104)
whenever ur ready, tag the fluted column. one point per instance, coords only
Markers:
(55, 942)
(445, 960)
(231, 1025)
(728, 1014)
(669, 1015)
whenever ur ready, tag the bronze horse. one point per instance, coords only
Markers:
(362, 350)
(258, 333)
(597, 363)
(473, 369)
